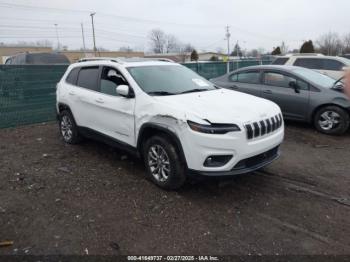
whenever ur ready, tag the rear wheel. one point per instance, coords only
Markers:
(68, 128)
(332, 120)
(163, 163)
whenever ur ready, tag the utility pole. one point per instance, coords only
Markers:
(82, 32)
(58, 39)
(228, 35)
(93, 30)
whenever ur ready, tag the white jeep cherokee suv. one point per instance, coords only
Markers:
(177, 121)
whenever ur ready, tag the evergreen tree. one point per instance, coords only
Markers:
(194, 55)
(276, 51)
(307, 47)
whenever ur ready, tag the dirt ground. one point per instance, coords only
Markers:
(90, 198)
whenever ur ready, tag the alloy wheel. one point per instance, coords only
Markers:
(159, 163)
(329, 120)
(66, 128)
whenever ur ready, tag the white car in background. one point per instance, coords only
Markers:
(332, 66)
(178, 122)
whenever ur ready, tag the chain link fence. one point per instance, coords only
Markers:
(28, 92)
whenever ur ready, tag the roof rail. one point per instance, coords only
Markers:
(121, 60)
(87, 59)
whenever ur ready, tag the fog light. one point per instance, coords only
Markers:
(217, 161)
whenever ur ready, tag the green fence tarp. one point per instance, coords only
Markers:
(28, 93)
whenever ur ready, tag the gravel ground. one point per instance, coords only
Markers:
(90, 198)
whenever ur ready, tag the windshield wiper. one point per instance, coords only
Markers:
(161, 93)
(194, 90)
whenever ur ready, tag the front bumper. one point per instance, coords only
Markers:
(247, 154)
(244, 166)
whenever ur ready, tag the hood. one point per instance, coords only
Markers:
(222, 106)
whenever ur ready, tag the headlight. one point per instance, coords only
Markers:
(213, 128)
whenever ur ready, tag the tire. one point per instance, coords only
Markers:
(68, 128)
(159, 150)
(332, 120)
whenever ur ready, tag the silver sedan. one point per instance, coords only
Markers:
(303, 94)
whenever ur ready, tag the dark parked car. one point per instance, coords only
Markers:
(302, 94)
(37, 59)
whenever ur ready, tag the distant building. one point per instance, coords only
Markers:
(208, 55)
(186, 57)
(73, 56)
(7, 51)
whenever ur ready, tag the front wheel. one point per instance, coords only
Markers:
(332, 120)
(163, 163)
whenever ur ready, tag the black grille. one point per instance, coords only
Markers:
(264, 127)
(257, 160)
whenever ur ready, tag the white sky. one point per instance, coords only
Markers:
(254, 23)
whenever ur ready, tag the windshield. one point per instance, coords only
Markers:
(169, 80)
(315, 77)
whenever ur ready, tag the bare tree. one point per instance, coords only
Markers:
(329, 44)
(188, 48)
(172, 44)
(346, 44)
(158, 40)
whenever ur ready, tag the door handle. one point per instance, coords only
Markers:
(267, 92)
(234, 87)
(71, 93)
(99, 100)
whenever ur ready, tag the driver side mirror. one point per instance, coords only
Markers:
(294, 85)
(125, 91)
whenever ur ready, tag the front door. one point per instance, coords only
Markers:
(116, 113)
(277, 88)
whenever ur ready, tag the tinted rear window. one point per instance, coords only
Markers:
(320, 64)
(280, 61)
(311, 63)
(72, 77)
(333, 65)
(88, 78)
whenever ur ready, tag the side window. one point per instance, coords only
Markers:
(303, 85)
(280, 61)
(110, 80)
(233, 78)
(281, 80)
(88, 78)
(311, 63)
(332, 65)
(8, 61)
(73, 76)
(251, 77)
(277, 79)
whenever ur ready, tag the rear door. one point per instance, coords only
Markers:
(246, 81)
(276, 87)
(85, 96)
